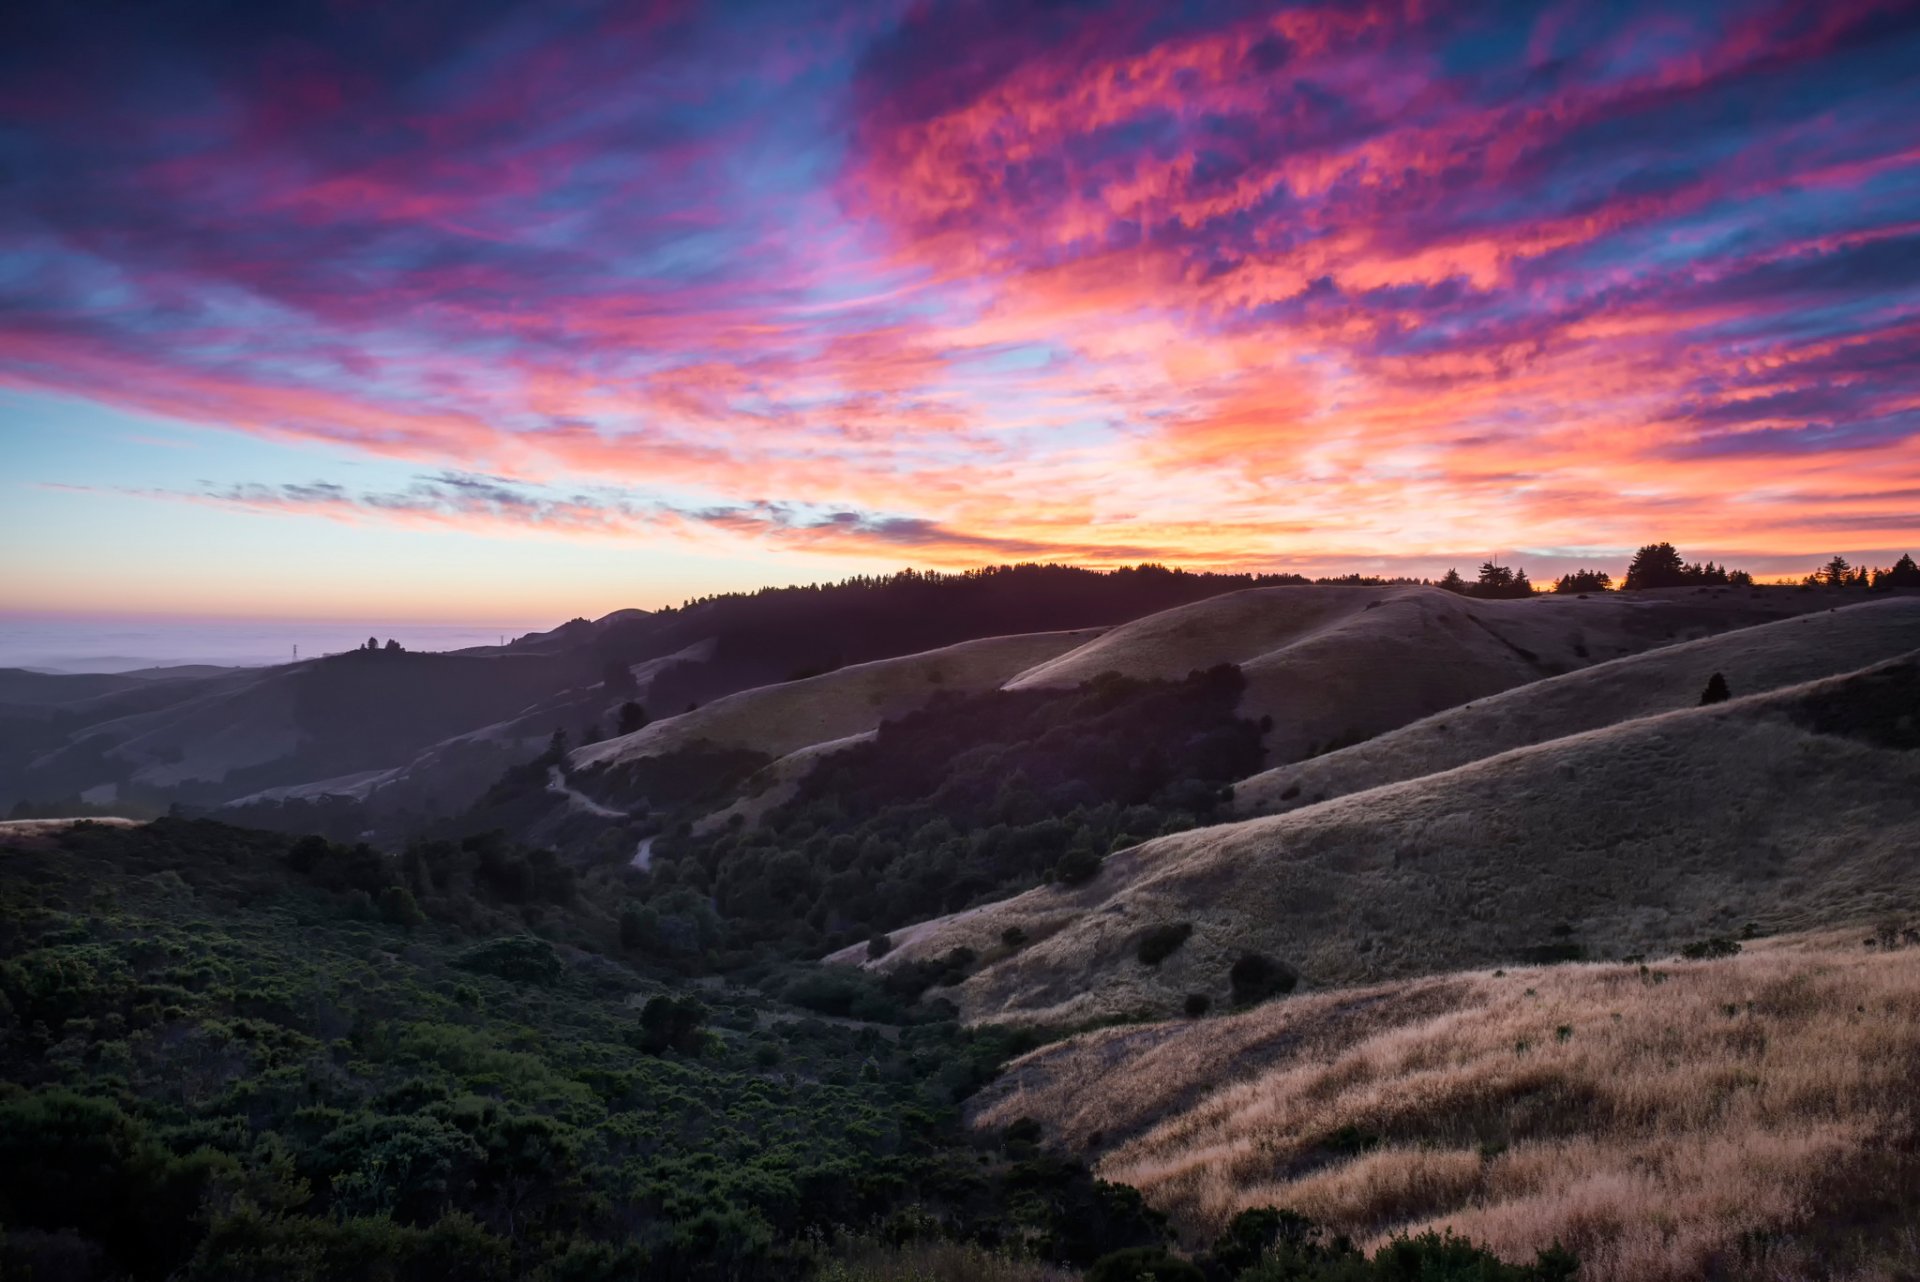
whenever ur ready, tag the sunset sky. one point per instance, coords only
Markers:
(513, 310)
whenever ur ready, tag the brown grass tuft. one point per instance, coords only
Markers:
(1743, 1114)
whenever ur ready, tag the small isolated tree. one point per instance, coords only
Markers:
(373, 643)
(394, 647)
(1162, 941)
(1452, 582)
(1716, 691)
(632, 717)
(1835, 572)
(879, 946)
(617, 677)
(1256, 977)
(1077, 867)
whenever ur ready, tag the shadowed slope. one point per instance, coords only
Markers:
(1753, 660)
(1792, 809)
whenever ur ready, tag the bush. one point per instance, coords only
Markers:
(1716, 691)
(1710, 949)
(1162, 941)
(671, 1023)
(1077, 867)
(1197, 1004)
(521, 958)
(879, 946)
(1144, 1264)
(1255, 978)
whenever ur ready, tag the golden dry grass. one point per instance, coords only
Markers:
(784, 718)
(1337, 665)
(1658, 1122)
(1634, 838)
(1754, 660)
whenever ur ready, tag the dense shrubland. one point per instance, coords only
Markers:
(970, 799)
(225, 1057)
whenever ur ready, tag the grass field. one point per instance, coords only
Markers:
(1748, 1117)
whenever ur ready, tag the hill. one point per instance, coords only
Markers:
(1335, 665)
(436, 729)
(1753, 660)
(776, 720)
(1791, 809)
(1745, 1117)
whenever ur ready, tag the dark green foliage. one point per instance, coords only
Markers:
(671, 1023)
(973, 798)
(1077, 867)
(1143, 1264)
(1255, 978)
(630, 718)
(218, 1068)
(1710, 949)
(1716, 690)
(1554, 953)
(879, 946)
(521, 958)
(1160, 942)
(1268, 1245)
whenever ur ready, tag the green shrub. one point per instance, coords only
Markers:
(1144, 1264)
(1256, 977)
(1162, 941)
(521, 958)
(1710, 949)
(1077, 867)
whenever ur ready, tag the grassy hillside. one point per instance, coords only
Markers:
(1329, 666)
(1792, 809)
(783, 718)
(1752, 1116)
(1753, 660)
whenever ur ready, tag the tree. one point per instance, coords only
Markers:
(394, 647)
(1495, 580)
(1657, 565)
(1583, 581)
(1522, 586)
(618, 677)
(632, 717)
(1904, 574)
(1716, 691)
(373, 643)
(1452, 582)
(1834, 573)
(1739, 579)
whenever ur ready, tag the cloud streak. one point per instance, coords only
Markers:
(1233, 283)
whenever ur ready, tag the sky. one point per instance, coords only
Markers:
(509, 312)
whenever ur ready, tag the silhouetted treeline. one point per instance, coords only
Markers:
(1838, 574)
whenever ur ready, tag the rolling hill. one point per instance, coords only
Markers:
(1334, 665)
(1791, 809)
(1753, 660)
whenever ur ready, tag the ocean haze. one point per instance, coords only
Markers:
(49, 643)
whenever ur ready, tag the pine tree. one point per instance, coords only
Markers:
(1716, 691)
